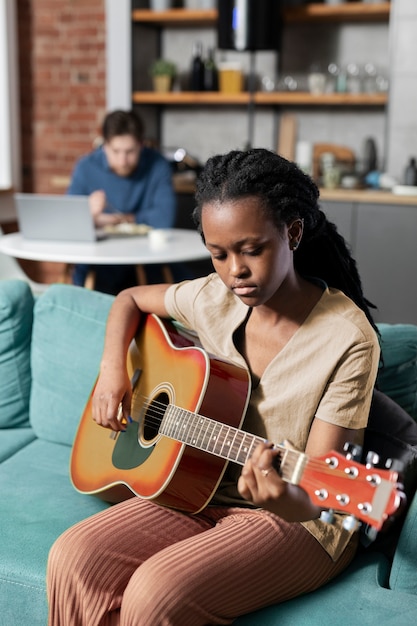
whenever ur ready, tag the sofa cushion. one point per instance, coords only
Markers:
(16, 314)
(403, 573)
(392, 433)
(398, 374)
(13, 439)
(41, 504)
(355, 597)
(68, 335)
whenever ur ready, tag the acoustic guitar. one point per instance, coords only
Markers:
(186, 413)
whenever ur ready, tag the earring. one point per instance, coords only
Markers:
(294, 245)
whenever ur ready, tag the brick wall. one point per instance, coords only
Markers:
(62, 96)
(62, 85)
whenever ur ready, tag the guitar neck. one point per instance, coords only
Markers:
(226, 442)
(332, 481)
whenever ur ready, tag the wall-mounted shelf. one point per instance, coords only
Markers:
(261, 98)
(355, 12)
(149, 31)
(348, 12)
(175, 17)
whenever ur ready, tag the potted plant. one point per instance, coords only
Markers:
(162, 72)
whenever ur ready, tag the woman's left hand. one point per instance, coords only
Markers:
(261, 484)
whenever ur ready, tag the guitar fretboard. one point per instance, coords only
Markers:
(225, 441)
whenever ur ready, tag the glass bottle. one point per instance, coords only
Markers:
(197, 68)
(369, 80)
(211, 78)
(410, 174)
(333, 71)
(353, 78)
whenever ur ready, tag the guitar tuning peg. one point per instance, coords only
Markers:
(327, 516)
(395, 465)
(369, 535)
(372, 459)
(350, 523)
(352, 451)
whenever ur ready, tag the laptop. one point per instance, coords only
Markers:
(55, 218)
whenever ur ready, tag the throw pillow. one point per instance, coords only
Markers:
(392, 434)
(16, 315)
(68, 336)
(397, 376)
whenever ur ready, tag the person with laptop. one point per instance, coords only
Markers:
(126, 181)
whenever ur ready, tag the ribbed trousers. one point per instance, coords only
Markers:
(139, 564)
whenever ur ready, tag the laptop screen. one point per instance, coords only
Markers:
(55, 217)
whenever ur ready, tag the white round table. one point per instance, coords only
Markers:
(169, 246)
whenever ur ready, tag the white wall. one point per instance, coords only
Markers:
(118, 55)
(9, 99)
(402, 126)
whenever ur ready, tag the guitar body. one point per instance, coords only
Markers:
(167, 369)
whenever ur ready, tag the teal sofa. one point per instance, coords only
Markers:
(49, 356)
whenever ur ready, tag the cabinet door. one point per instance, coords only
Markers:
(386, 253)
(341, 214)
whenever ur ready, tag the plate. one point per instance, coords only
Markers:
(126, 229)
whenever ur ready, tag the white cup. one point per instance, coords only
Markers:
(191, 4)
(317, 83)
(159, 237)
(160, 5)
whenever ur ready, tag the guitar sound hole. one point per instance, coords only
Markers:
(154, 415)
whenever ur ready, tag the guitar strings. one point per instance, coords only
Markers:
(159, 408)
(156, 410)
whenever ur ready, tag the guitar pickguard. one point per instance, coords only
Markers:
(128, 452)
(136, 444)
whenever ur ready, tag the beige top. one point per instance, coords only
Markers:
(327, 370)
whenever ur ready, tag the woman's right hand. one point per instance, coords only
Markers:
(112, 399)
(114, 388)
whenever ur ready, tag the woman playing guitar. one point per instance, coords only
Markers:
(286, 303)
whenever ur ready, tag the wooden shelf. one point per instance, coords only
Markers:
(175, 17)
(213, 98)
(350, 11)
(189, 97)
(332, 99)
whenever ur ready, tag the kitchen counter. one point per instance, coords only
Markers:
(185, 184)
(366, 195)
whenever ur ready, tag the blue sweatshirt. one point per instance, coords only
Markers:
(147, 192)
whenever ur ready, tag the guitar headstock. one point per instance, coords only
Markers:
(334, 481)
